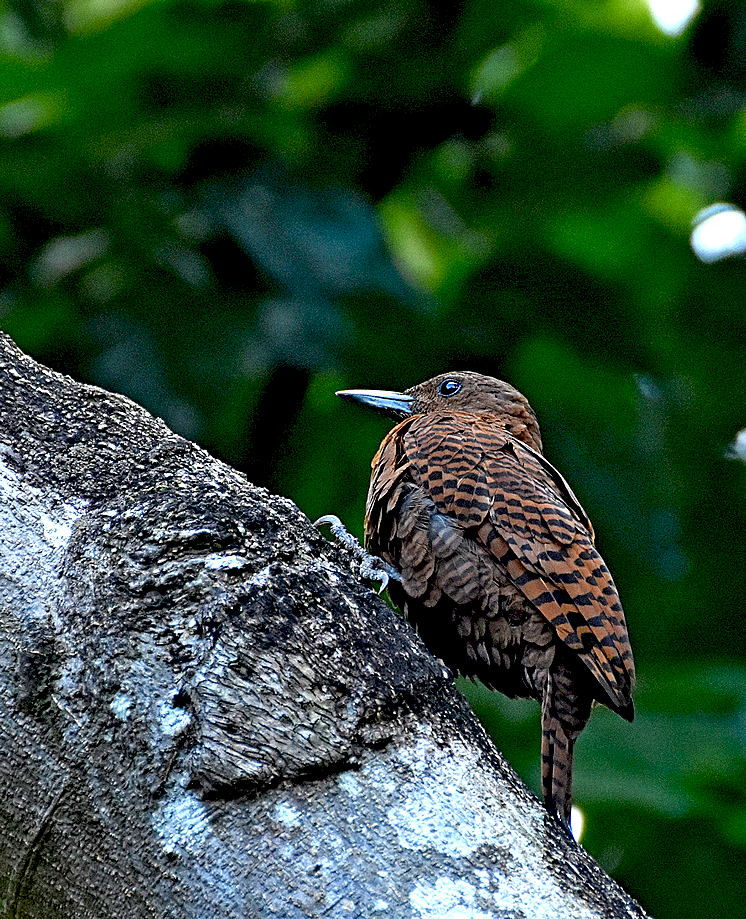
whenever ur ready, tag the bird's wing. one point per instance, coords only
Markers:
(510, 499)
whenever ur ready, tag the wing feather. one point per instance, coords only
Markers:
(507, 497)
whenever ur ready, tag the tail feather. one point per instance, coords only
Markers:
(556, 767)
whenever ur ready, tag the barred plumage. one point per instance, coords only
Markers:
(499, 570)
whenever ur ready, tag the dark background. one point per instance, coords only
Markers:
(229, 210)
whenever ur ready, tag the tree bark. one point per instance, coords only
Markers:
(205, 713)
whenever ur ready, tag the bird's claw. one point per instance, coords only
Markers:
(371, 567)
(341, 533)
(376, 569)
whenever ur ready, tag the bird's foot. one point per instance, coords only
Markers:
(371, 567)
(376, 569)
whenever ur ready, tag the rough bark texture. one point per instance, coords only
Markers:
(205, 713)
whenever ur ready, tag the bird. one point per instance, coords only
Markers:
(494, 558)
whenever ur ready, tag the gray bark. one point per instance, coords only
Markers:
(205, 713)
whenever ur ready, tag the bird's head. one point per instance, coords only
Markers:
(459, 391)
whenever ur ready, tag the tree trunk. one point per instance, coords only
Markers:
(205, 713)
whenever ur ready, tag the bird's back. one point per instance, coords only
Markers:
(492, 543)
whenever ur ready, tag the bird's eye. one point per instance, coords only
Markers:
(449, 387)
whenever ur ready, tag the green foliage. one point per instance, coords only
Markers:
(228, 210)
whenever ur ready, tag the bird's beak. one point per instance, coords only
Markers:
(397, 404)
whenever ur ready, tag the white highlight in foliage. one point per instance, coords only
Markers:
(673, 17)
(719, 231)
(577, 822)
(64, 255)
(737, 449)
(22, 116)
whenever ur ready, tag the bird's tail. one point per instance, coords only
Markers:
(556, 766)
(565, 710)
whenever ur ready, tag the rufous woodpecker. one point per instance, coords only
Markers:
(499, 571)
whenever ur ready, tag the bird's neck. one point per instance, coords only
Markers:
(522, 425)
(529, 434)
